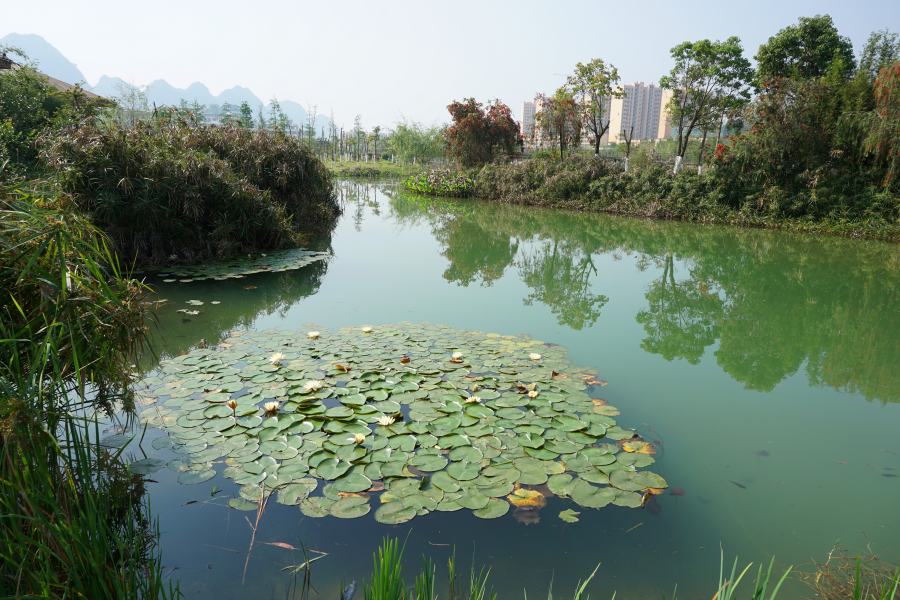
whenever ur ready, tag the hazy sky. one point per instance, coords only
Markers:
(385, 60)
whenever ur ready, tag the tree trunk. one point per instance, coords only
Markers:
(678, 159)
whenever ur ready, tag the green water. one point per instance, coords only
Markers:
(718, 342)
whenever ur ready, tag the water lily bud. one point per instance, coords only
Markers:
(232, 404)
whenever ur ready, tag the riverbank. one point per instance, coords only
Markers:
(373, 170)
(581, 182)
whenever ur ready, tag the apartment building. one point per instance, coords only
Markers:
(526, 125)
(643, 108)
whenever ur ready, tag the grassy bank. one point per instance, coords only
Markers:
(859, 207)
(384, 169)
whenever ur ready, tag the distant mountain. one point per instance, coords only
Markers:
(53, 63)
(49, 60)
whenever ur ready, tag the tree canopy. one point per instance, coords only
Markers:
(481, 134)
(803, 51)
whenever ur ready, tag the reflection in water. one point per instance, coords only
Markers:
(237, 308)
(773, 303)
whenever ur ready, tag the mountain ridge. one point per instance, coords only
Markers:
(53, 63)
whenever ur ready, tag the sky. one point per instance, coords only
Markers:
(387, 61)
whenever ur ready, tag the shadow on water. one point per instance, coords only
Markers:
(772, 303)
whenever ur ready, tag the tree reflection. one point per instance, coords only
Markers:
(560, 278)
(774, 303)
(681, 317)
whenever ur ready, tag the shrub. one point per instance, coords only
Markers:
(172, 189)
(543, 181)
(440, 182)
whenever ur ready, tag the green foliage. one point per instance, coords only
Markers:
(592, 84)
(72, 521)
(171, 188)
(440, 182)
(882, 50)
(412, 140)
(60, 282)
(28, 107)
(540, 182)
(708, 79)
(803, 51)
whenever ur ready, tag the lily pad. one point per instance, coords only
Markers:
(493, 509)
(569, 515)
(394, 513)
(146, 466)
(195, 477)
(350, 508)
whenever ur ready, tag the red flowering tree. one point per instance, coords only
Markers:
(883, 140)
(481, 134)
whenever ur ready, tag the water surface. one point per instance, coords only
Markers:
(766, 364)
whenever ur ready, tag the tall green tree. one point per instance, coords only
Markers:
(803, 51)
(260, 118)
(882, 50)
(246, 115)
(705, 76)
(594, 84)
(557, 119)
(226, 114)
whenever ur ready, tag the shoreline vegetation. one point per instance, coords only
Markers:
(585, 182)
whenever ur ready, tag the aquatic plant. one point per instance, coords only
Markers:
(846, 576)
(440, 182)
(447, 451)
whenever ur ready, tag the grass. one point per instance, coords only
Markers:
(386, 169)
(73, 522)
(387, 583)
(845, 576)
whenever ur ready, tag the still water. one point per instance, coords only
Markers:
(766, 364)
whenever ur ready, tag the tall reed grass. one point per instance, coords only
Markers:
(172, 188)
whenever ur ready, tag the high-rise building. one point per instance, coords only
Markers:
(526, 126)
(643, 108)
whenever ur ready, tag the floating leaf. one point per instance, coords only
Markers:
(146, 466)
(569, 515)
(195, 477)
(493, 509)
(394, 513)
(350, 508)
(523, 497)
(241, 504)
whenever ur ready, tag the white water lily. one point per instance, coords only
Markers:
(367, 330)
(312, 335)
(276, 358)
(271, 406)
(385, 420)
(472, 399)
(313, 385)
(359, 438)
(532, 394)
(534, 356)
(457, 355)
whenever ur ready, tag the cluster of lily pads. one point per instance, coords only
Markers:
(275, 261)
(423, 417)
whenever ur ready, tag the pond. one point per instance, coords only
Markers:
(762, 367)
